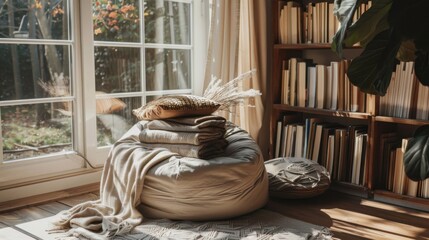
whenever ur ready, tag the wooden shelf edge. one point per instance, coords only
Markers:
(325, 112)
(301, 46)
(402, 200)
(387, 119)
(351, 189)
(304, 46)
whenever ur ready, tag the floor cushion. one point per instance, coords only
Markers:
(195, 189)
(293, 178)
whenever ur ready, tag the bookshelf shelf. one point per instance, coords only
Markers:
(385, 119)
(307, 46)
(303, 46)
(324, 112)
(403, 200)
(359, 119)
(350, 188)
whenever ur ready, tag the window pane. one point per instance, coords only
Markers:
(114, 118)
(35, 130)
(167, 22)
(117, 69)
(36, 20)
(116, 20)
(25, 69)
(168, 69)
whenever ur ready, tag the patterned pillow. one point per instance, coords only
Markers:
(176, 106)
(294, 177)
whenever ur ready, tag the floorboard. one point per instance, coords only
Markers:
(73, 201)
(351, 217)
(54, 207)
(23, 215)
(348, 217)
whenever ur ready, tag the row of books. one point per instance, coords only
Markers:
(398, 99)
(396, 180)
(305, 84)
(313, 23)
(422, 109)
(406, 97)
(340, 149)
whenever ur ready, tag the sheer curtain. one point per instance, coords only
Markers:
(238, 43)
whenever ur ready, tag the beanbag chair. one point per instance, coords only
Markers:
(186, 188)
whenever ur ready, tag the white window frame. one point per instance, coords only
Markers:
(29, 169)
(43, 169)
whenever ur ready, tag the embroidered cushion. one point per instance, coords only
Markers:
(296, 178)
(176, 106)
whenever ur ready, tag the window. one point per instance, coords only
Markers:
(72, 71)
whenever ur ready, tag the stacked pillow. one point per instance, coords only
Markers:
(176, 106)
(183, 124)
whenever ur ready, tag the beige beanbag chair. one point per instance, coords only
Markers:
(196, 189)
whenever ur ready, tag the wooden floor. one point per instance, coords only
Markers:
(348, 217)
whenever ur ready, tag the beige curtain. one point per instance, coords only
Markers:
(238, 43)
(222, 55)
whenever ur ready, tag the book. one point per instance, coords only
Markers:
(299, 140)
(301, 83)
(354, 132)
(341, 86)
(328, 88)
(363, 171)
(311, 75)
(292, 81)
(326, 132)
(334, 95)
(321, 76)
(311, 134)
(342, 155)
(317, 142)
(284, 86)
(330, 155)
(278, 138)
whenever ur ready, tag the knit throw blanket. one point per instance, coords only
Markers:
(121, 186)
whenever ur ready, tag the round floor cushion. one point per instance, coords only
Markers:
(294, 178)
(186, 188)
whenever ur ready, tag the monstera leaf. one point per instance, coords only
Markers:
(372, 70)
(416, 157)
(371, 23)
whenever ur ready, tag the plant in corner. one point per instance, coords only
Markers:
(390, 30)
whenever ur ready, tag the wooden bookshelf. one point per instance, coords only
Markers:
(323, 112)
(376, 124)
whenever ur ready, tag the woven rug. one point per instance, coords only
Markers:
(262, 224)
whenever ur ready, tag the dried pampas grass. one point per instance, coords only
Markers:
(229, 94)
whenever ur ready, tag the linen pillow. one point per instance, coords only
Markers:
(176, 106)
(295, 178)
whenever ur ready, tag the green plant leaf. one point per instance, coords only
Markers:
(416, 157)
(344, 11)
(372, 70)
(369, 24)
(406, 52)
(421, 67)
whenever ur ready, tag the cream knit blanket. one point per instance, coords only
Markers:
(121, 185)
